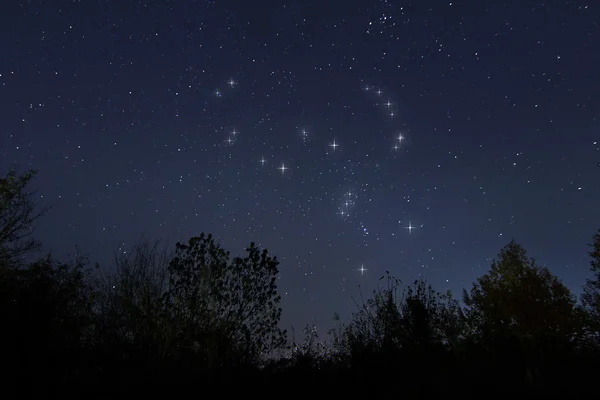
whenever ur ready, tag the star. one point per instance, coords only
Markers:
(362, 269)
(283, 168)
(334, 145)
(410, 227)
(400, 138)
(263, 161)
(388, 104)
(218, 93)
(231, 82)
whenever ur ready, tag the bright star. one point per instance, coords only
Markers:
(362, 269)
(410, 227)
(334, 145)
(283, 168)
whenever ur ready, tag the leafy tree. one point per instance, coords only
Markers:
(18, 214)
(591, 291)
(520, 310)
(227, 309)
(520, 297)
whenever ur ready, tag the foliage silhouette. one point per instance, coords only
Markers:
(414, 324)
(131, 319)
(229, 309)
(375, 325)
(197, 316)
(590, 298)
(416, 318)
(520, 311)
(18, 215)
(47, 309)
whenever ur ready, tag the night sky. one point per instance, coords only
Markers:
(418, 138)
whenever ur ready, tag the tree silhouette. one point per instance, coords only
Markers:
(130, 310)
(415, 320)
(169, 317)
(47, 311)
(18, 214)
(409, 331)
(520, 306)
(226, 309)
(430, 318)
(376, 324)
(590, 297)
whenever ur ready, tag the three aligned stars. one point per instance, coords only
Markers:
(282, 168)
(389, 106)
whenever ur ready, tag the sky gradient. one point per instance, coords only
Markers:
(416, 138)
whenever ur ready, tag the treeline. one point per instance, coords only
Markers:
(194, 320)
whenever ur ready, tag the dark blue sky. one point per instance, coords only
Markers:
(154, 117)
